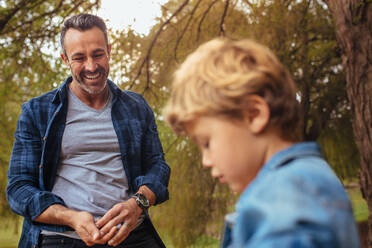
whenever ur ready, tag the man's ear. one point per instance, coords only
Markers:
(257, 114)
(109, 50)
(65, 59)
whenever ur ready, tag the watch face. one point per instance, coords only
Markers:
(142, 200)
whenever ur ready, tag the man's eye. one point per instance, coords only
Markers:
(78, 58)
(98, 55)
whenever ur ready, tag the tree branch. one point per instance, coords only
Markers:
(203, 17)
(148, 54)
(185, 29)
(58, 7)
(222, 29)
(5, 19)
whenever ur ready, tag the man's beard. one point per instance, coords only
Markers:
(81, 80)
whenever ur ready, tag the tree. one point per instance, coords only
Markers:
(353, 23)
(28, 32)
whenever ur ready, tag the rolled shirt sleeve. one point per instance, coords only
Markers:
(157, 172)
(23, 190)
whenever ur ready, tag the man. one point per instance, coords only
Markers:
(87, 161)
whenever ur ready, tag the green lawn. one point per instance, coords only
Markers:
(9, 239)
(360, 207)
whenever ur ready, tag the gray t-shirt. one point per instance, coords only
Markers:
(90, 176)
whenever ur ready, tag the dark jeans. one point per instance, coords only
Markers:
(141, 237)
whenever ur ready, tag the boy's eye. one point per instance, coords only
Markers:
(205, 145)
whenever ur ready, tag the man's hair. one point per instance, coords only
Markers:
(218, 78)
(82, 22)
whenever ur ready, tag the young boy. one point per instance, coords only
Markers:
(238, 103)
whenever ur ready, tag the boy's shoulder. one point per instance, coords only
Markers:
(301, 194)
(301, 173)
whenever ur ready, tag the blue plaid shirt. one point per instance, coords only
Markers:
(37, 146)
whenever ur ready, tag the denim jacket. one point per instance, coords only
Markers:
(296, 201)
(37, 145)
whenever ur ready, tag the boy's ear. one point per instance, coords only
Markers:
(257, 114)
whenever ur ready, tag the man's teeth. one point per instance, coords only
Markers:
(94, 76)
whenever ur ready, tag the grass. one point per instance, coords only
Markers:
(360, 208)
(203, 241)
(9, 239)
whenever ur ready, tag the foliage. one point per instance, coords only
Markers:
(342, 156)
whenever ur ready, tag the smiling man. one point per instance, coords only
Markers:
(87, 162)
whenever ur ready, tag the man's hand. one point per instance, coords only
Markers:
(81, 222)
(125, 214)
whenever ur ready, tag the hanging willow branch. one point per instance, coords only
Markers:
(202, 19)
(222, 29)
(185, 29)
(149, 50)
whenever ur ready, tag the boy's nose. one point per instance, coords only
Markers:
(206, 161)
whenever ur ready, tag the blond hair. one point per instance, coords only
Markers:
(218, 77)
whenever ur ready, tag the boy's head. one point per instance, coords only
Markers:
(241, 84)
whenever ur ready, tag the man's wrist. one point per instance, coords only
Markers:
(67, 216)
(144, 190)
(57, 214)
(141, 201)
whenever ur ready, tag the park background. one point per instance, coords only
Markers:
(304, 34)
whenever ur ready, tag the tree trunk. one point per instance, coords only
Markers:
(353, 23)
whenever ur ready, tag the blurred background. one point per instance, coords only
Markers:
(149, 40)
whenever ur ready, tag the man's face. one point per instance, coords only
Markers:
(88, 58)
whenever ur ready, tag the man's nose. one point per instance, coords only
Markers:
(90, 65)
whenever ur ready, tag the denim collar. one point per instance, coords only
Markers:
(303, 149)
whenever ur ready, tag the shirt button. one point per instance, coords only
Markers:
(40, 166)
(44, 138)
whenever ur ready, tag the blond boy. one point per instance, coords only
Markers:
(239, 104)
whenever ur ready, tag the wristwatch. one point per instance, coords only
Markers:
(142, 201)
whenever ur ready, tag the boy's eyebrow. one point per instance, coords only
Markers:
(193, 138)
